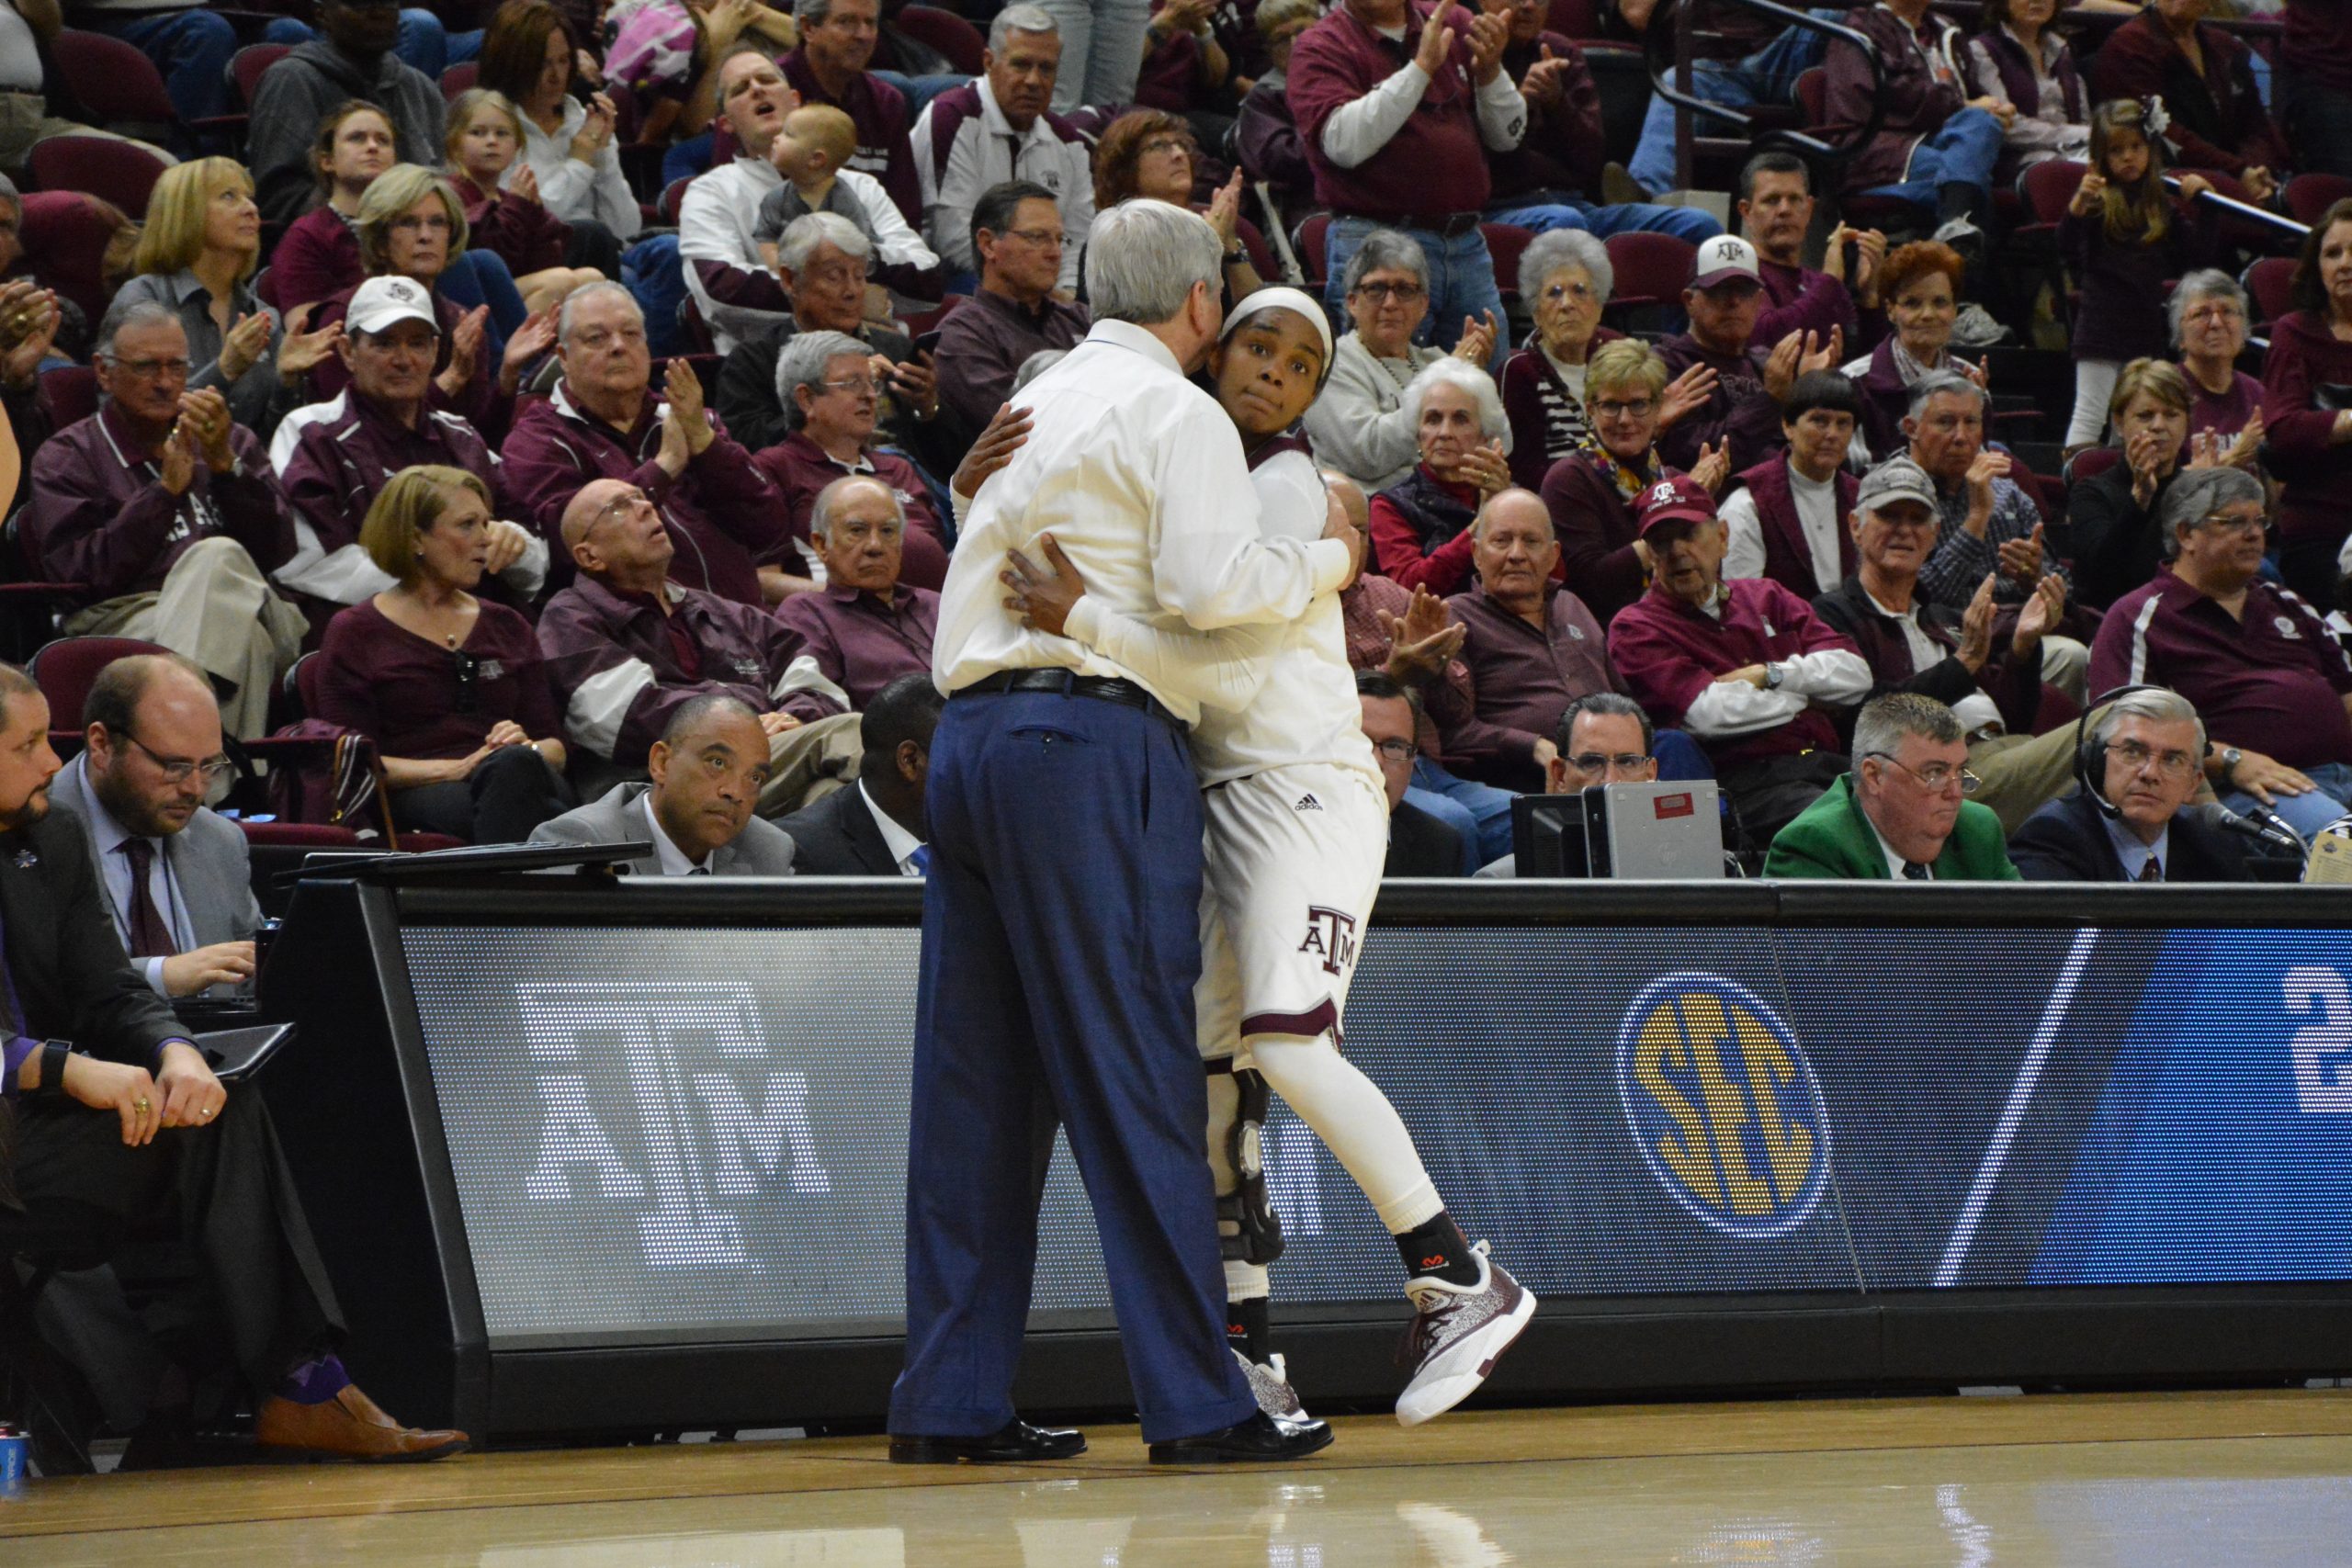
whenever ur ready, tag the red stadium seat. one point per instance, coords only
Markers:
(1575, 18)
(1507, 242)
(1652, 269)
(66, 669)
(66, 235)
(946, 32)
(458, 78)
(2270, 282)
(245, 67)
(2050, 185)
(673, 194)
(120, 172)
(2309, 195)
(1313, 244)
(66, 395)
(2091, 462)
(120, 88)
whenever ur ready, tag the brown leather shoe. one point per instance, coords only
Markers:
(348, 1426)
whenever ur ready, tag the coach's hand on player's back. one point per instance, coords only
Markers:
(1043, 598)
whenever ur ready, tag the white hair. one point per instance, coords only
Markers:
(1452, 372)
(1143, 258)
(805, 234)
(2160, 705)
(586, 290)
(1020, 19)
(1556, 248)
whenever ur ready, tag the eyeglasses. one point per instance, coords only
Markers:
(2135, 757)
(179, 770)
(2223, 523)
(1403, 293)
(620, 506)
(1165, 144)
(411, 223)
(597, 337)
(1937, 777)
(1396, 749)
(1560, 292)
(862, 384)
(1610, 408)
(1593, 761)
(152, 369)
(1035, 236)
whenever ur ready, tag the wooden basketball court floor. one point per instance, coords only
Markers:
(2213, 1478)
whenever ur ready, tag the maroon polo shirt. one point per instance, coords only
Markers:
(1668, 652)
(861, 643)
(1435, 162)
(985, 341)
(405, 693)
(2271, 680)
(2227, 414)
(1524, 678)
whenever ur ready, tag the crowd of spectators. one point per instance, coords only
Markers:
(538, 370)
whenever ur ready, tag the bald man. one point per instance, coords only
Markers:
(176, 875)
(626, 645)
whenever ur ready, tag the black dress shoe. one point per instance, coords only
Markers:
(1261, 1439)
(1016, 1442)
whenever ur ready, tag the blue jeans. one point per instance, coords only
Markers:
(1462, 283)
(479, 277)
(424, 43)
(1768, 76)
(2307, 814)
(920, 90)
(1682, 222)
(657, 275)
(1962, 152)
(1480, 813)
(190, 48)
(687, 159)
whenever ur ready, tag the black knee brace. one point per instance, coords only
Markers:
(1248, 1230)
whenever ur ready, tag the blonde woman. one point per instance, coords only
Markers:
(196, 257)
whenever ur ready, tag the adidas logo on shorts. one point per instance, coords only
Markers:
(1307, 803)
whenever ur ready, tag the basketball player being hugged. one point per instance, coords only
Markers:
(1297, 827)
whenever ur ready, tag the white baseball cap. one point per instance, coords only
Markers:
(383, 302)
(1726, 258)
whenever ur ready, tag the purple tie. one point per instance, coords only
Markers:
(149, 938)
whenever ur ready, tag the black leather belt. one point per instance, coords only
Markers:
(1449, 224)
(1070, 684)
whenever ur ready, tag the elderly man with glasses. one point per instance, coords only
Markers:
(2274, 685)
(168, 511)
(176, 876)
(1903, 813)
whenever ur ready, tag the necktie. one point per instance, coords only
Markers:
(921, 860)
(149, 937)
(1914, 871)
(2153, 871)
(700, 871)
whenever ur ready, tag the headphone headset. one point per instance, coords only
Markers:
(2090, 770)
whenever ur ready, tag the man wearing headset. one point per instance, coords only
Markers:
(2138, 763)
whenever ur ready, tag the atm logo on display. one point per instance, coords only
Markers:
(1725, 1106)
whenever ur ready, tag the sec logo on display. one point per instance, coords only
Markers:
(1723, 1105)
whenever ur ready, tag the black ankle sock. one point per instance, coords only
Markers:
(1437, 1246)
(1246, 1328)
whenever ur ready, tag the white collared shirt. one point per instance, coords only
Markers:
(2134, 854)
(162, 886)
(1895, 862)
(901, 843)
(985, 150)
(1139, 477)
(673, 860)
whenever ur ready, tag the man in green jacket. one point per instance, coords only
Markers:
(1902, 812)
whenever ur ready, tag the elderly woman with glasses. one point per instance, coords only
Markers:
(830, 386)
(1420, 526)
(1566, 273)
(2209, 326)
(2307, 422)
(1591, 494)
(1361, 425)
(450, 687)
(1152, 154)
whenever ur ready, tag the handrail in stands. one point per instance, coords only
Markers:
(2245, 210)
(1688, 107)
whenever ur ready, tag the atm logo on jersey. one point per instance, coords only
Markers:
(1723, 1104)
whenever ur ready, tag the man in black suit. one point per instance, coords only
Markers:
(2131, 821)
(183, 1160)
(876, 828)
(1418, 844)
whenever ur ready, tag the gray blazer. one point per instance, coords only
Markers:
(761, 850)
(209, 866)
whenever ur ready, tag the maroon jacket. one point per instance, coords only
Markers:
(1917, 103)
(2018, 84)
(1523, 679)
(1597, 530)
(349, 450)
(521, 233)
(1739, 411)
(480, 403)
(800, 470)
(1669, 653)
(859, 643)
(613, 654)
(879, 111)
(722, 511)
(2318, 45)
(2316, 473)
(1799, 300)
(2123, 283)
(2217, 120)
(1563, 148)
(1435, 164)
(1788, 559)
(100, 515)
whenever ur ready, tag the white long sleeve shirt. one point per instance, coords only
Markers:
(572, 190)
(716, 221)
(963, 145)
(1139, 477)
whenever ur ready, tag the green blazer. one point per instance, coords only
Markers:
(1833, 839)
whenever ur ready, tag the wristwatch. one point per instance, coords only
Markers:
(1773, 675)
(2231, 758)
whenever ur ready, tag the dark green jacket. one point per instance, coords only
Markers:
(1833, 839)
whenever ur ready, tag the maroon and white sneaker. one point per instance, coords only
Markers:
(1269, 1383)
(1458, 1332)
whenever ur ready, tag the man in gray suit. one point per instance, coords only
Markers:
(178, 877)
(709, 769)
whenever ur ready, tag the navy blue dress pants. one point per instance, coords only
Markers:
(1060, 944)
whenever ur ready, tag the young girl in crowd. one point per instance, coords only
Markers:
(485, 133)
(320, 254)
(2124, 236)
